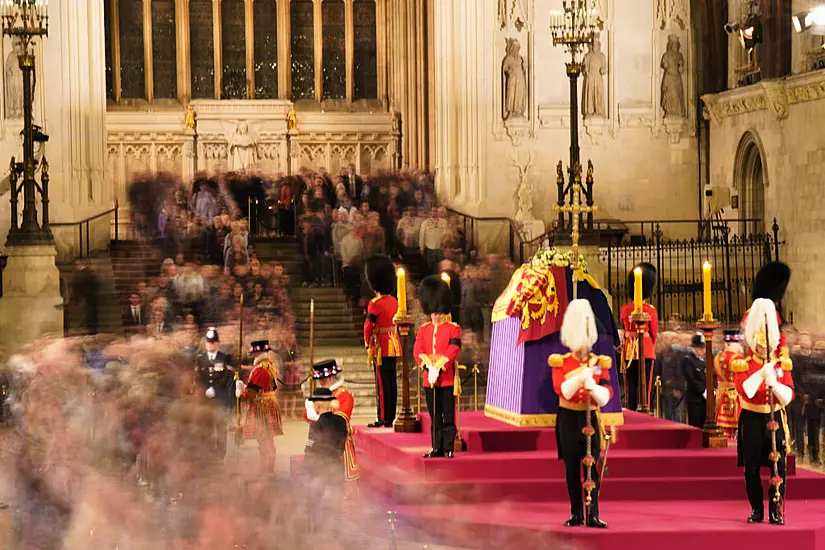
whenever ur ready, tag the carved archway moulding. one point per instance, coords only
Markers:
(750, 146)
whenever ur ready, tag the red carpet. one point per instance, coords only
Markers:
(662, 490)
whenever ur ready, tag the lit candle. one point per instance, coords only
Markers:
(637, 289)
(707, 294)
(445, 278)
(402, 292)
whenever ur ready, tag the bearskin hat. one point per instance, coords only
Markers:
(648, 279)
(771, 281)
(381, 274)
(578, 330)
(434, 295)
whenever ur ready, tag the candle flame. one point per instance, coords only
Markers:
(706, 265)
(400, 271)
(638, 270)
(445, 278)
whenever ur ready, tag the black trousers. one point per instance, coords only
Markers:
(441, 406)
(814, 425)
(386, 382)
(572, 444)
(632, 389)
(221, 417)
(697, 411)
(753, 448)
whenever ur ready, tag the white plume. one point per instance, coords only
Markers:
(578, 330)
(762, 311)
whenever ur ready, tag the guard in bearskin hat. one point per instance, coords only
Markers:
(437, 347)
(216, 377)
(727, 400)
(381, 337)
(630, 348)
(770, 283)
(763, 379)
(582, 381)
(263, 417)
(328, 375)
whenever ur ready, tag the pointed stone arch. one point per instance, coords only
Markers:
(750, 179)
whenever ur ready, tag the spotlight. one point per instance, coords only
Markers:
(802, 21)
(732, 27)
(751, 32)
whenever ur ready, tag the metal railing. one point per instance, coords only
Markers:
(735, 260)
(84, 236)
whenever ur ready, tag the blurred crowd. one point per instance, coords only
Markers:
(805, 414)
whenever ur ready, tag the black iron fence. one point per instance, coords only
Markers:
(735, 260)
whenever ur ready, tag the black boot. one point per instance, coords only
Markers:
(574, 521)
(435, 453)
(757, 516)
(594, 521)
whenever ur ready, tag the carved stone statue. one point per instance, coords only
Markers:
(14, 83)
(189, 118)
(514, 82)
(243, 149)
(595, 67)
(673, 90)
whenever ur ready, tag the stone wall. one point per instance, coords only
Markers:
(645, 166)
(784, 120)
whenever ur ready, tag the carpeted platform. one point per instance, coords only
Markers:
(662, 490)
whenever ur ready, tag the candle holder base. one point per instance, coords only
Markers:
(712, 435)
(407, 425)
(640, 318)
(713, 438)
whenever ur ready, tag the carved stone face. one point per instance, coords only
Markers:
(243, 128)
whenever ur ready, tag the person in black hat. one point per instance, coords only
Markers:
(381, 337)
(263, 417)
(216, 377)
(324, 458)
(630, 351)
(437, 347)
(770, 283)
(693, 369)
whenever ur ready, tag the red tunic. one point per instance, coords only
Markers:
(379, 324)
(442, 340)
(566, 366)
(743, 368)
(727, 398)
(631, 341)
(263, 417)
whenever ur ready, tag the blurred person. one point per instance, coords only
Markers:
(263, 417)
(215, 376)
(353, 182)
(286, 210)
(135, 314)
(159, 326)
(352, 258)
(437, 347)
(693, 369)
(815, 403)
(632, 354)
(727, 402)
(323, 460)
(802, 357)
(215, 238)
(408, 230)
(582, 381)
(431, 239)
(762, 378)
(381, 337)
(83, 297)
(203, 201)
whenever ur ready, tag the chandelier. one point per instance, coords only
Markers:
(575, 25)
(25, 19)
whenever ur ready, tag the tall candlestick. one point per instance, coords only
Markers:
(708, 314)
(402, 291)
(637, 289)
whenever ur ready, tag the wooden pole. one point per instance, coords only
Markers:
(640, 319)
(311, 343)
(712, 436)
(406, 422)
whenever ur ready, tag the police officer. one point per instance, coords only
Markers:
(216, 377)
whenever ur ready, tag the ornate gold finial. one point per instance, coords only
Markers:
(292, 119)
(189, 118)
(575, 209)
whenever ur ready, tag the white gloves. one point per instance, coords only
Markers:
(239, 387)
(589, 384)
(432, 375)
(705, 395)
(600, 394)
(210, 392)
(783, 393)
(585, 375)
(312, 414)
(770, 377)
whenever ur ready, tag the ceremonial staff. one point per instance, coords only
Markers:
(311, 343)
(773, 425)
(238, 428)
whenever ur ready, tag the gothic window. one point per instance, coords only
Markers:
(265, 16)
(302, 26)
(132, 73)
(334, 52)
(202, 49)
(233, 36)
(107, 35)
(164, 56)
(365, 61)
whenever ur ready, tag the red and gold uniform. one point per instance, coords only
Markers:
(630, 350)
(384, 347)
(727, 398)
(754, 446)
(263, 416)
(437, 348)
